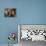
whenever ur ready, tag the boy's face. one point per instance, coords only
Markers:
(10, 13)
(13, 13)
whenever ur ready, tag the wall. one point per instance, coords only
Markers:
(33, 12)
(28, 12)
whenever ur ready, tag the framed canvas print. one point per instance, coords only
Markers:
(10, 12)
(32, 32)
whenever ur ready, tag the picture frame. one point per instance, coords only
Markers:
(10, 12)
